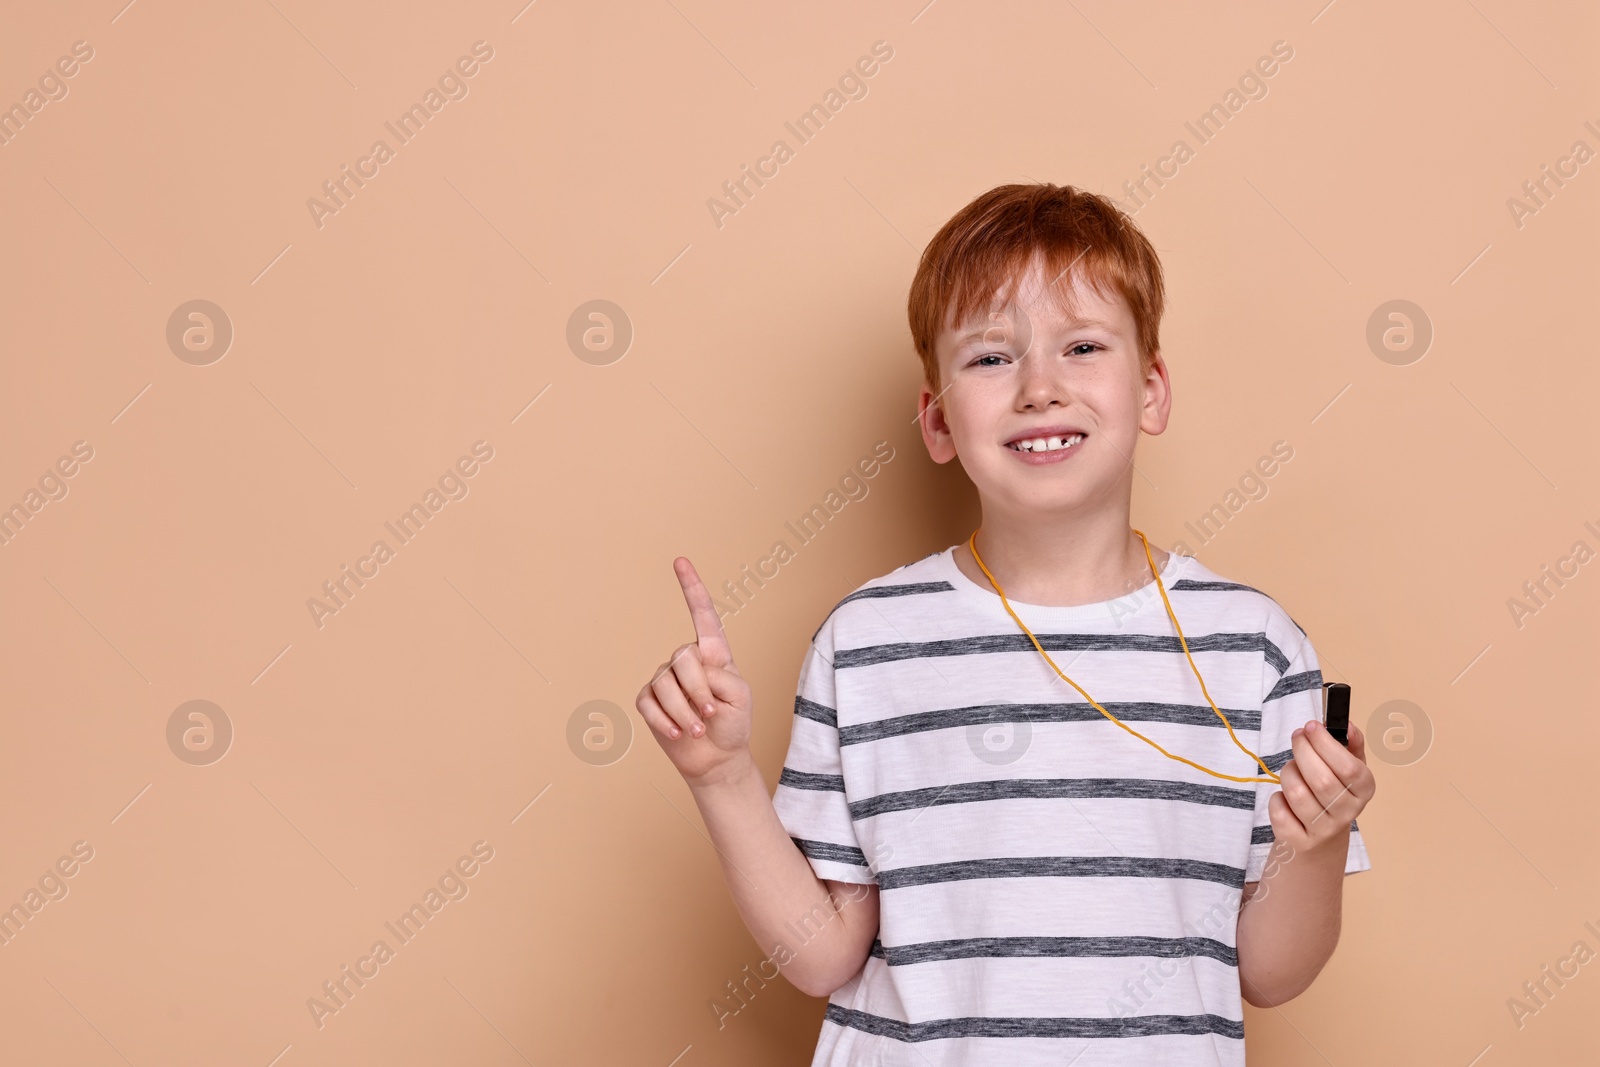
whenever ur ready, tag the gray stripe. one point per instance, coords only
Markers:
(1276, 760)
(825, 850)
(1263, 835)
(1061, 642)
(830, 783)
(982, 714)
(1053, 789)
(1295, 683)
(879, 591)
(1062, 867)
(1274, 655)
(810, 709)
(1001, 947)
(1031, 1026)
(1194, 584)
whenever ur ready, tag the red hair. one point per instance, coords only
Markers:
(990, 244)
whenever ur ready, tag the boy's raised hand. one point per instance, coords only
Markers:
(697, 705)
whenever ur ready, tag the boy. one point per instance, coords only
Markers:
(981, 855)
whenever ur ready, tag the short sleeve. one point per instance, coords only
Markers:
(1292, 684)
(810, 798)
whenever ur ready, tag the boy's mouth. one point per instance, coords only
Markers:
(1050, 439)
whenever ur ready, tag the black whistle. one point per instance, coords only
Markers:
(1336, 711)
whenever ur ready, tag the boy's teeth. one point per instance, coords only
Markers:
(1048, 444)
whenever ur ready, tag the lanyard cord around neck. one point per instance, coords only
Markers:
(972, 544)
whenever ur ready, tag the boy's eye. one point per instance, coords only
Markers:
(1082, 348)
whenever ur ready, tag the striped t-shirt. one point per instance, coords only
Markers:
(1052, 889)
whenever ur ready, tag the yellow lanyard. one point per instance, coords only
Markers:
(972, 544)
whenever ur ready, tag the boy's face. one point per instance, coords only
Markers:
(1021, 382)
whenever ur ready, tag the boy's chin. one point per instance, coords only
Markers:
(1029, 496)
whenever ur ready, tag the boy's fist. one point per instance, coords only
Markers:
(1325, 786)
(697, 705)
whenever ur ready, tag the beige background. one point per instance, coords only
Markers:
(768, 356)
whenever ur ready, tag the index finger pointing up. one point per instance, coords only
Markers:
(707, 627)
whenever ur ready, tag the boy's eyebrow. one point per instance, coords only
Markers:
(978, 333)
(972, 335)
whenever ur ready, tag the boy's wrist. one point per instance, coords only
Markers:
(735, 772)
(1334, 849)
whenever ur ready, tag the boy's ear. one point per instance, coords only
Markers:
(935, 430)
(1157, 397)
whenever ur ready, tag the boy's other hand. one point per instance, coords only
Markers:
(1325, 786)
(697, 705)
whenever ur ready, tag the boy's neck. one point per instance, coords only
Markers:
(1061, 564)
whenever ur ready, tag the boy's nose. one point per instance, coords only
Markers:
(1037, 384)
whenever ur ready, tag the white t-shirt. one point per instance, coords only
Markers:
(1052, 889)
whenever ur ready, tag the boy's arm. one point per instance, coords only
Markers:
(699, 710)
(1289, 921)
(817, 932)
